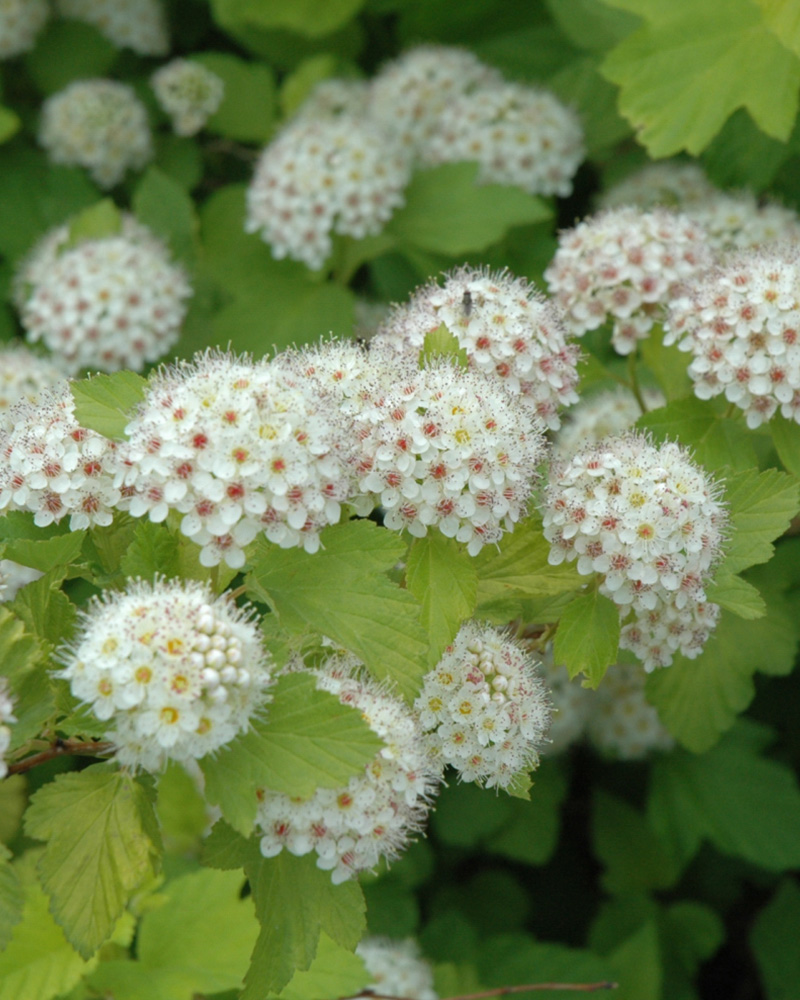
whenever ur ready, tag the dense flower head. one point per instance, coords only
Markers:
(397, 968)
(375, 815)
(97, 124)
(519, 135)
(6, 716)
(739, 220)
(322, 176)
(484, 707)
(103, 304)
(239, 449)
(189, 93)
(410, 92)
(452, 449)
(175, 671)
(53, 467)
(24, 375)
(506, 327)
(622, 723)
(624, 265)
(602, 415)
(133, 24)
(650, 522)
(741, 320)
(670, 184)
(335, 98)
(20, 23)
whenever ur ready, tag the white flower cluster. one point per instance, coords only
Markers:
(622, 723)
(335, 98)
(624, 265)
(133, 24)
(519, 135)
(397, 968)
(54, 467)
(484, 707)
(570, 705)
(740, 221)
(377, 812)
(20, 23)
(506, 327)
(604, 414)
(238, 450)
(410, 92)
(323, 176)
(741, 320)
(189, 93)
(97, 124)
(6, 716)
(107, 303)
(670, 184)
(649, 521)
(176, 672)
(24, 375)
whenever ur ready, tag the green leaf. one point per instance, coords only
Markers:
(742, 156)
(181, 809)
(580, 84)
(306, 17)
(587, 639)
(45, 609)
(106, 403)
(102, 844)
(179, 158)
(309, 741)
(12, 898)
(761, 507)
(152, 551)
(343, 592)
(668, 364)
(95, 222)
(441, 343)
(13, 800)
(786, 438)
(635, 860)
(335, 971)
(745, 805)
(517, 958)
(692, 65)
(690, 934)
(67, 51)
(164, 205)
(591, 24)
(10, 124)
(447, 212)
(247, 111)
(442, 577)
(224, 848)
(298, 85)
(774, 938)
(782, 18)
(531, 834)
(637, 965)
(20, 656)
(737, 595)
(307, 904)
(44, 555)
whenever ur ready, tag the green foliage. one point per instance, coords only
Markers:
(95, 223)
(309, 17)
(334, 971)
(761, 507)
(773, 939)
(635, 859)
(441, 343)
(588, 636)
(9, 124)
(68, 51)
(88, 869)
(247, 111)
(106, 403)
(786, 438)
(163, 205)
(12, 898)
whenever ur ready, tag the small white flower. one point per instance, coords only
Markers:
(6, 716)
(622, 723)
(133, 24)
(669, 184)
(20, 23)
(189, 93)
(397, 968)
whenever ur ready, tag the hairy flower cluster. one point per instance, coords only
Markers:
(175, 672)
(410, 92)
(133, 24)
(670, 184)
(54, 467)
(624, 265)
(20, 23)
(189, 93)
(622, 723)
(375, 815)
(605, 414)
(97, 124)
(322, 176)
(506, 328)
(239, 450)
(108, 303)
(741, 320)
(6, 716)
(24, 375)
(649, 521)
(484, 707)
(519, 135)
(397, 968)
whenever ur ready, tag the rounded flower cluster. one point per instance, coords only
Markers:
(133, 24)
(519, 135)
(506, 328)
(603, 415)
(484, 708)
(189, 93)
(624, 265)
(649, 521)
(238, 449)
(6, 716)
(397, 968)
(570, 702)
(54, 467)
(323, 176)
(108, 303)
(24, 375)
(622, 723)
(375, 815)
(20, 23)
(335, 98)
(410, 92)
(97, 124)
(741, 320)
(175, 672)
(671, 184)
(740, 221)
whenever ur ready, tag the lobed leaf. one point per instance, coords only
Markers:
(773, 938)
(105, 403)
(587, 639)
(761, 507)
(247, 110)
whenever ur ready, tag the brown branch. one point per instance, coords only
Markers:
(60, 748)
(500, 991)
